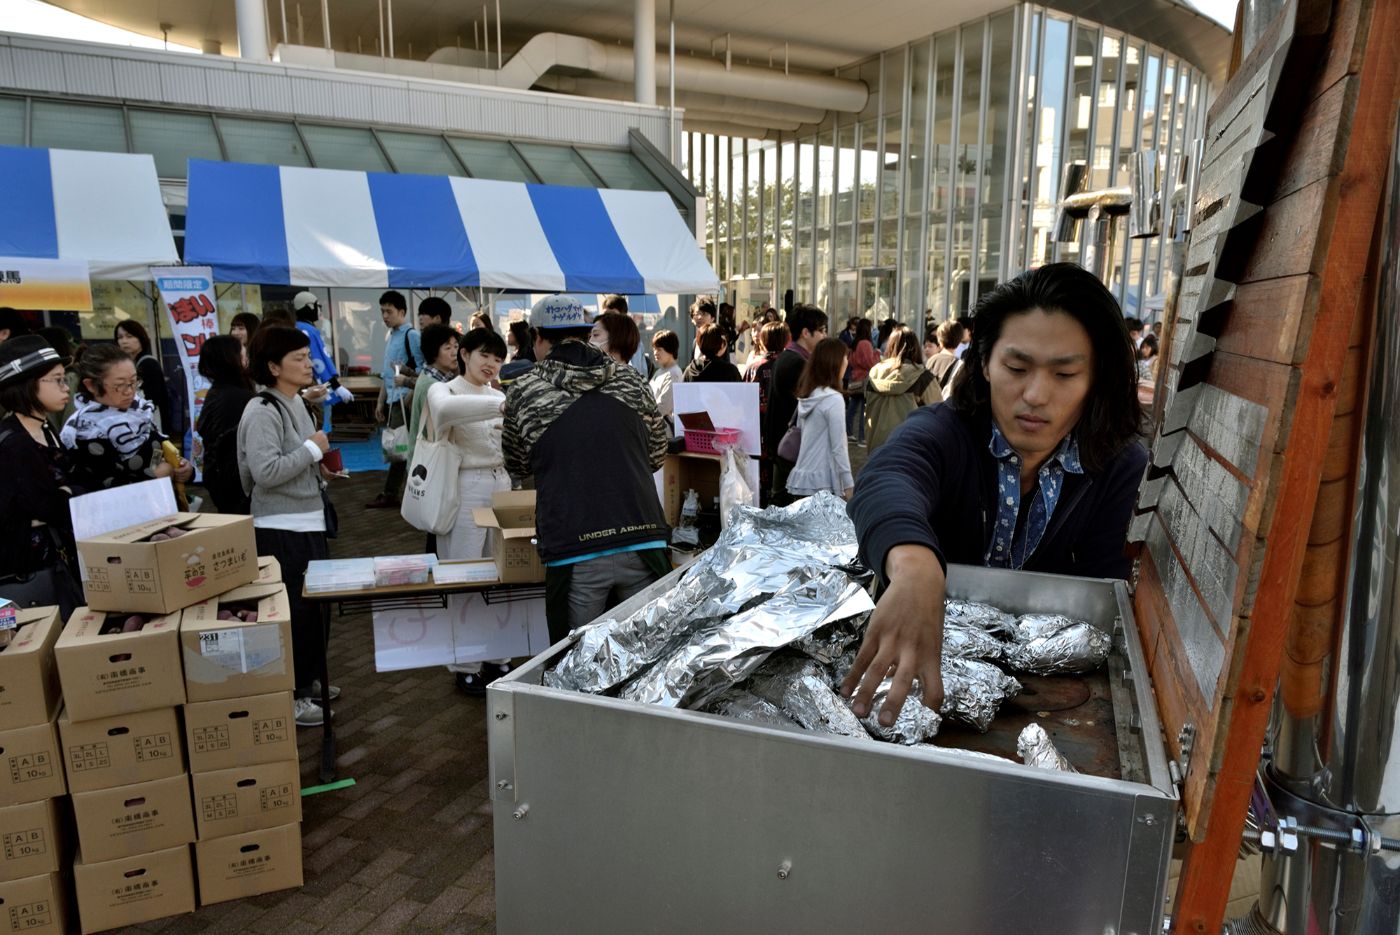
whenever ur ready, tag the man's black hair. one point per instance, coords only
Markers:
(395, 298)
(805, 317)
(615, 303)
(1112, 415)
(435, 306)
(706, 307)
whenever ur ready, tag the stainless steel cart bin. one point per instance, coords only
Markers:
(617, 817)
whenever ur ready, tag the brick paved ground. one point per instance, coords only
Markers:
(408, 847)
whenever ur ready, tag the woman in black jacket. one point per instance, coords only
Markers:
(223, 362)
(132, 338)
(711, 366)
(36, 531)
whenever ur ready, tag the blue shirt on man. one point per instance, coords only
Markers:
(1013, 539)
(394, 354)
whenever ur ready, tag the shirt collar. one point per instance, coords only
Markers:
(794, 346)
(1067, 454)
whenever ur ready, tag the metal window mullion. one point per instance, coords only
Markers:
(1011, 192)
(588, 168)
(305, 146)
(393, 167)
(930, 109)
(877, 220)
(452, 154)
(1168, 177)
(525, 160)
(906, 107)
(729, 209)
(218, 137)
(1037, 102)
(1091, 135)
(126, 128)
(1135, 139)
(983, 96)
(745, 233)
(950, 210)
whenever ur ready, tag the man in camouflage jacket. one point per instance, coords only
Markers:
(589, 431)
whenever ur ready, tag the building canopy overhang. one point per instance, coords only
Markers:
(328, 227)
(103, 209)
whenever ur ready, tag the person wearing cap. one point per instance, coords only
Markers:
(36, 532)
(588, 429)
(308, 312)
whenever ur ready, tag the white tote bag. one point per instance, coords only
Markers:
(394, 441)
(431, 497)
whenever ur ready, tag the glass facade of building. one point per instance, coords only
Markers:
(948, 180)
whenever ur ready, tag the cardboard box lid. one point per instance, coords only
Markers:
(512, 512)
(37, 627)
(696, 421)
(85, 626)
(133, 534)
(273, 603)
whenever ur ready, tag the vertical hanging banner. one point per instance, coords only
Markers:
(187, 293)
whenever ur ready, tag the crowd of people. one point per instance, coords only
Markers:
(515, 407)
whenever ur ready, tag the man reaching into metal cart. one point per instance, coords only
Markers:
(588, 429)
(1033, 463)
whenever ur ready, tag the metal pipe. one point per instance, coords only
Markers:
(282, 4)
(486, 32)
(252, 29)
(671, 85)
(498, 35)
(1345, 758)
(389, 16)
(381, 28)
(644, 50)
(326, 23)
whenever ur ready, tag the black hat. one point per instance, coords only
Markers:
(26, 356)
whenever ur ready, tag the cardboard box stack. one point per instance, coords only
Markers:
(33, 810)
(242, 743)
(181, 615)
(122, 752)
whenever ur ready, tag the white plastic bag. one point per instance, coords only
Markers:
(393, 442)
(734, 487)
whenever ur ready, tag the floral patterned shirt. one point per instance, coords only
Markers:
(1015, 537)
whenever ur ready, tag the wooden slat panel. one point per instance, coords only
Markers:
(1287, 240)
(1263, 319)
(1346, 231)
(1320, 150)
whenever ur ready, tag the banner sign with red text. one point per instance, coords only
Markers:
(187, 293)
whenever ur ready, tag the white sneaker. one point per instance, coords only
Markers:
(308, 713)
(316, 690)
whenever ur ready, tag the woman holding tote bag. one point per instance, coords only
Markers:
(466, 412)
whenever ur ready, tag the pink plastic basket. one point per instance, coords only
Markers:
(710, 443)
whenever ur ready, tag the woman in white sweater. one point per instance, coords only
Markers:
(824, 461)
(466, 410)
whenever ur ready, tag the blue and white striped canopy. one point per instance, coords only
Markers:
(327, 227)
(104, 209)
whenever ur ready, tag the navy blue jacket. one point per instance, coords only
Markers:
(934, 483)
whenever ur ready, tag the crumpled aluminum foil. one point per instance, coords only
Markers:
(982, 616)
(915, 723)
(716, 657)
(746, 706)
(759, 553)
(801, 688)
(1037, 749)
(1052, 644)
(964, 642)
(973, 690)
(830, 643)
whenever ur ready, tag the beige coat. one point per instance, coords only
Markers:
(894, 390)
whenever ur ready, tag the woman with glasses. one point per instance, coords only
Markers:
(36, 533)
(133, 338)
(112, 434)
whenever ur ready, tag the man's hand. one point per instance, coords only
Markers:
(320, 440)
(184, 472)
(379, 413)
(905, 634)
(315, 393)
